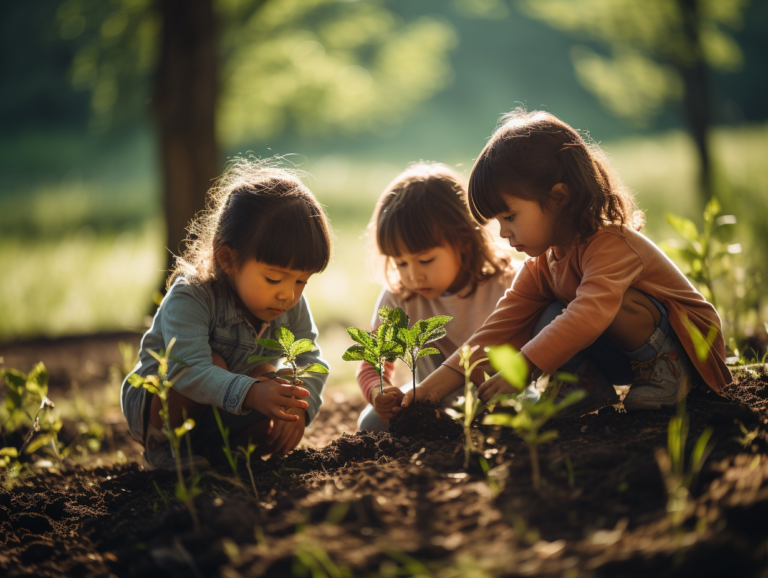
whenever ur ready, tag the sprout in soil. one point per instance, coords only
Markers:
(472, 404)
(375, 347)
(528, 418)
(161, 387)
(289, 348)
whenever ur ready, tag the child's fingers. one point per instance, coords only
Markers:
(295, 403)
(277, 429)
(291, 391)
(407, 398)
(281, 415)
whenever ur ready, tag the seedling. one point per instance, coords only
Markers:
(528, 418)
(375, 347)
(24, 394)
(412, 341)
(472, 404)
(288, 348)
(704, 253)
(161, 387)
(678, 478)
(247, 452)
(11, 469)
(231, 457)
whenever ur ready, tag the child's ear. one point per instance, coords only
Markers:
(560, 194)
(226, 258)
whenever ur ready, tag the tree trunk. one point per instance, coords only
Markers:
(697, 100)
(185, 94)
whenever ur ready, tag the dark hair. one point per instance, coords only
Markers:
(528, 154)
(260, 211)
(426, 207)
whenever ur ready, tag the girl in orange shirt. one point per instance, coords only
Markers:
(595, 298)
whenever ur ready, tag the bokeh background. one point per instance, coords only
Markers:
(117, 114)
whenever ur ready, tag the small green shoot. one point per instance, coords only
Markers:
(529, 418)
(247, 452)
(702, 344)
(11, 469)
(230, 455)
(25, 393)
(289, 348)
(472, 404)
(161, 387)
(749, 437)
(680, 478)
(704, 253)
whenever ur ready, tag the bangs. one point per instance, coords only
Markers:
(484, 198)
(294, 235)
(408, 230)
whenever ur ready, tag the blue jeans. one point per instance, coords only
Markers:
(612, 360)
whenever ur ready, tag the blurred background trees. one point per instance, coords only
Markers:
(118, 114)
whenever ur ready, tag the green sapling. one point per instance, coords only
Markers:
(161, 387)
(375, 347)
(289, 348)
(529, 417)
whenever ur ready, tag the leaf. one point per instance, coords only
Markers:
(315, 368)
(504, 419)
(713, 208)
(184, 428)
(431, 336)
(12, 452)
(406, 337)
(284, 336)
(177, 360)
(269, 343)
(684, 227)
(136, 380)
(701, 344)
(37, 379)
(437, 321)
(510, 364)
(428, 351)
(301, 346)
(566, 377)
(42, 440)
(571, 398)
(362, 337)
(354, 353)
(543, 437)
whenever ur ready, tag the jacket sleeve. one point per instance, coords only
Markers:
(186, 315)
(303, 326)
(513, 319)
(609, 267)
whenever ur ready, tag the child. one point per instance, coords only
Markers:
(596, 297)
(247, 262)
(435, 260)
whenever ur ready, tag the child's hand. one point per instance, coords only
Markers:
(423, 393)
(285, 436)
(494, 386)
(273, 396)
(386, 404)
(435, 387)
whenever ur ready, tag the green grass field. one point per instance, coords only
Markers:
(85, 254)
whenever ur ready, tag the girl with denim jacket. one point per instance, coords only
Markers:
(248, 259)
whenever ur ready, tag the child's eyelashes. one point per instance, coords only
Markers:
(272, 281)
(509, 218)
(424, 262)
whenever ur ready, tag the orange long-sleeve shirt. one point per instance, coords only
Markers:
(591, 279)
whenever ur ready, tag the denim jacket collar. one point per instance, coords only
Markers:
(229, 311)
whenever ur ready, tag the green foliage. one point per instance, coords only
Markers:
(528, 419)
(679, 477)
(701, 343)
(161, 387)
(231, 457)
(247, 451)
(318, 66)
(704, 253)
(375, 347)
(24, 394)
(287, 347)
(650, 46)
(472, 404)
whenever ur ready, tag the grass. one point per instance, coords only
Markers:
(85, 253)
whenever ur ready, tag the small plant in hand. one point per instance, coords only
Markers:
(413, 340)
(529, 418)
(375, 347)
(161, 387)
(289, 348)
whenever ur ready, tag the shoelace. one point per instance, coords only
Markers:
(646, 367)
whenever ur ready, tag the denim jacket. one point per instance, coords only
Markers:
(205, 318)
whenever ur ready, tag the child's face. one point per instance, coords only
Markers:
(527, 226)
(430, 273)
(266, 290)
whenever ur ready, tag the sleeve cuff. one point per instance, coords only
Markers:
(235, 394)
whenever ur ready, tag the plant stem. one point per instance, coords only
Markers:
(535, 467)
(250, 473)
(414, 380)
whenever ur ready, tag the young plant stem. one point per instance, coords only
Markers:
(253, 482)
(176, 443)
(413, 371)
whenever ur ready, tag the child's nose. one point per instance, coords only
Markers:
(285, 294)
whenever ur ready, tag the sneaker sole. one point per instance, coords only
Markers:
(632, 404)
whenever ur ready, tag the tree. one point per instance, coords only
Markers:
(660, 51)
(232, 70)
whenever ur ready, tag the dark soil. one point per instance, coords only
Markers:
(400, 504)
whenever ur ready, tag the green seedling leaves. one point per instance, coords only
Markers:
(354, 353)
(301, 346)
(285, 337)
(187, 426)
(701, 344)
(269, 344)
(9, 452)
(362, 337)
(428, 351)
(510, 364)
(314, 368)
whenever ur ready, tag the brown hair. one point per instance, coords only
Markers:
(528, 154)
(426, 207)
(260, 211)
